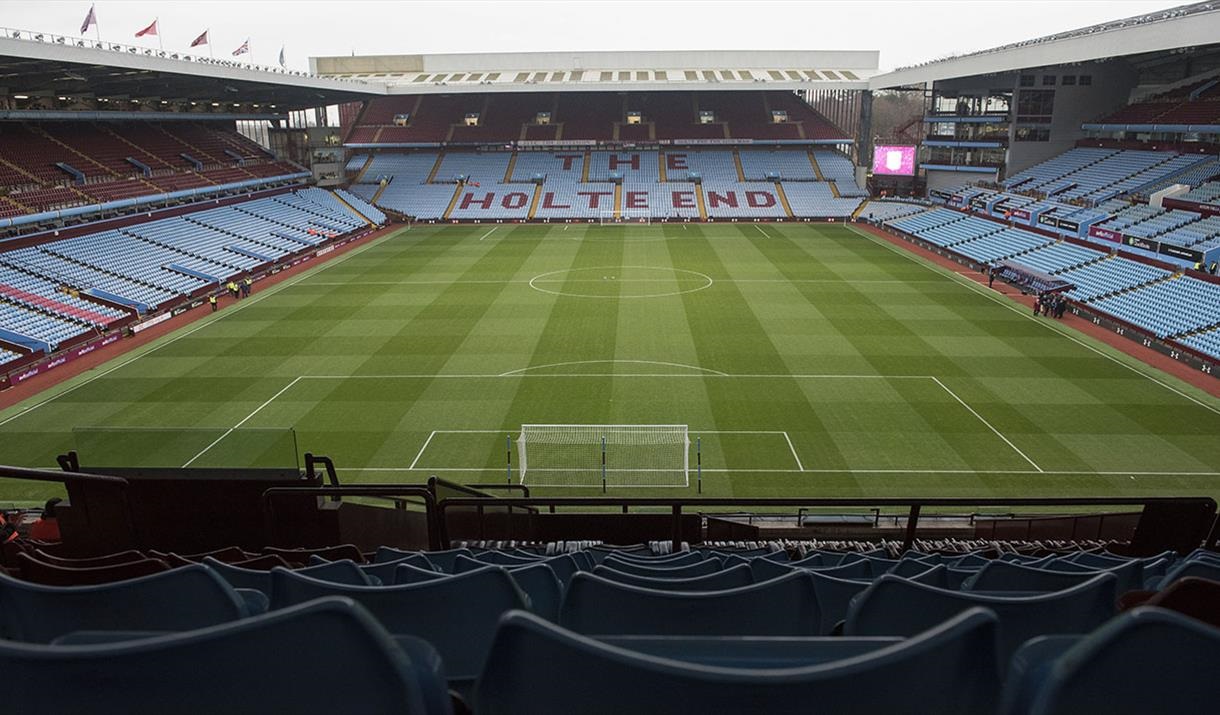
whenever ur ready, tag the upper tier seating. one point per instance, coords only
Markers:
(599, 116)
(54, 165)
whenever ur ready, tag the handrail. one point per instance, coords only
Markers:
(50, 475)
(914, 505)
(365, 490)
(67, 476)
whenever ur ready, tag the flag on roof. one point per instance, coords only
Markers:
(282, 62)
(90, 20)
(201, 40)
(245, 48)
(150, 30)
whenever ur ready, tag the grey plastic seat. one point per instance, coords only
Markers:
(457, 614)
(253, 666)
(785, 606)
(1146, 660)
(179, 599)
(945, 670)
(733, 577)
(892, 606)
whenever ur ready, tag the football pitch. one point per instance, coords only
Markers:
(804, 359)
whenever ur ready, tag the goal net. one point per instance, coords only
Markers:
(621, 455)
(626, 216)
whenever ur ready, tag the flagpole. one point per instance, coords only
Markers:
(211, 54)
(160, 37)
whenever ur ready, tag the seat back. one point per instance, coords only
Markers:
(250, 667)
(892, 606)
(184, 598)
(37, 571)
(782, 606)
(699, 568)
(1005, 576)
(1146, 660)
(543, 587)
(457, 614)
(733, 577)
(336, 571)
(944, 671)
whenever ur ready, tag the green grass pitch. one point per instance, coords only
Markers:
(809, 360)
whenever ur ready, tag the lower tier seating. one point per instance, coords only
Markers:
(568, 628)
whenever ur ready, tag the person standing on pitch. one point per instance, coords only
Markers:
(247, 286)
(212, 302)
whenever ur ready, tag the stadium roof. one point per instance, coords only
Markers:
(605, 71)
(37, 64)
(1172, 29)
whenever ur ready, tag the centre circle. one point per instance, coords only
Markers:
(620, 282)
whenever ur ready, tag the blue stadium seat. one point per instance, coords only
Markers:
(404, 573)
(753, 652)
(442, 560)
(732, 577)
(683, 558)
(945, 670)
(336, 571)
(180, 599)
(457, 615)
(1144, 661)
(1028, 668)
(1130, 574)
(564, 566)
(274, 663)
(1197, 567)
(702, 568)
(543, 587)
(892, 606)
(784, 606)
(498, 558)
(834, 596)
(1004, 576)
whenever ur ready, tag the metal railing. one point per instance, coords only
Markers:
(914, 506)
(395, 491)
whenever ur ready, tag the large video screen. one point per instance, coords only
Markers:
(894, 160)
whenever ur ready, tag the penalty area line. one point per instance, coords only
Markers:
(985, 422)
(488, 233)
(237, 426)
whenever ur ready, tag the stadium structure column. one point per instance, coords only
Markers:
(864, 138)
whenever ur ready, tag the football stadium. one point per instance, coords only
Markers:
(609, 380)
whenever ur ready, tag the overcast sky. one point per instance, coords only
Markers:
(906, 32)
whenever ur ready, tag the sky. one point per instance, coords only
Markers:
(905, 31)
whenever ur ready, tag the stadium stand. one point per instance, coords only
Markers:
(996, 630)
(47, 166)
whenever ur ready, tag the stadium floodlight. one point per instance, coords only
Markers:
(625, 216)
(603, 455)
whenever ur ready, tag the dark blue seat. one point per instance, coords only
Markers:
(384, 570)
(274, 663)
(338, 571)
(543, 587)
(946, 670)
(179, 599)
(1197, 567)
(892, 606)
(701, 568)
(733, 577)
(564, 566)
(834, 597)
(682, 558)
(499, 558)
(408, 573)
(1130, 575)
(753, 652)
(442, 560)
(1147, 660)
(457, 614)
(1005, 576)
(785, 606)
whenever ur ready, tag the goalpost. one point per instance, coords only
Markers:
(635, 216)
(604, 455)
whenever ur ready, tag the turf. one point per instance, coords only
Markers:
(887, 375)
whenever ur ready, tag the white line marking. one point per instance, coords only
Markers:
(1012, 472)
(488, 233)
(421, 450)
(764, 233)
(956, 278)
(239, 424)
(784, 281)
(593, 362)
(567, 226)
(517, 373)
(205, 322)
(788, 439)
(989, 425)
